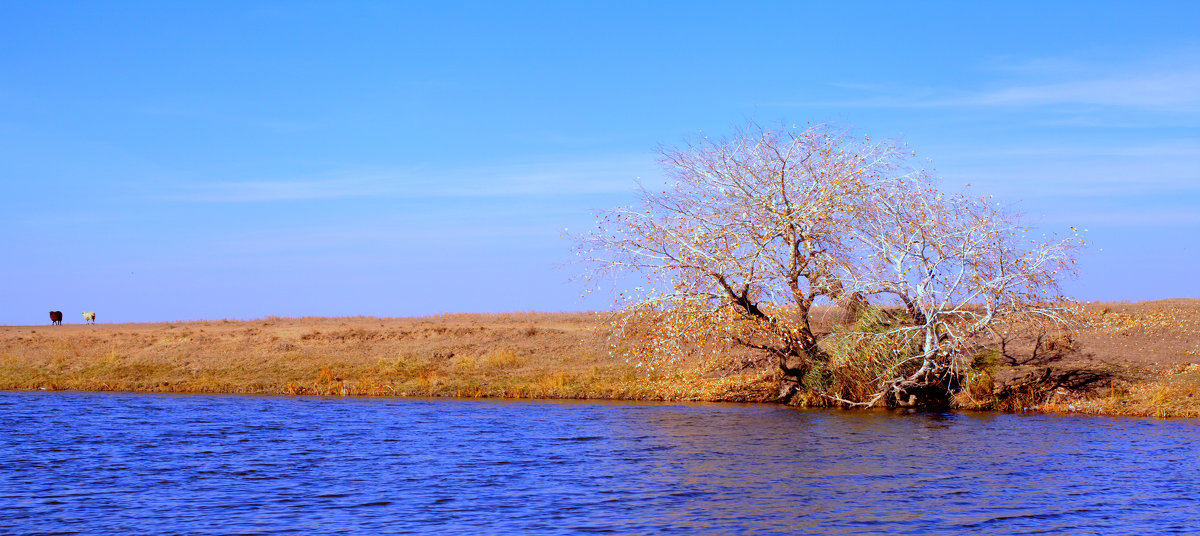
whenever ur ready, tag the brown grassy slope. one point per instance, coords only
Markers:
(499, 355)
(1150, 350)
(1123, 359)
(1119, 359)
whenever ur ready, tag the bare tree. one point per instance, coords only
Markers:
(760, 228)
(959, 268)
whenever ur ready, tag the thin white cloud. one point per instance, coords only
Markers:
(1028, 172)
(210, 116)
(1156, 91)
(1170, 85)
(280, 190)
(583, 177)
(1055, 66)
(368, 235)
(1188, 147)
(1123, 218)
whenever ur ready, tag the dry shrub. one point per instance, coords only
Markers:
(502, 359)
(862, 356)
(979, 387)
(1061, 343)
(464, 364)
(326, 375)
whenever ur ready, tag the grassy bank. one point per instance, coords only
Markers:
(1124, 359)
(1137, 359)
(502, 355)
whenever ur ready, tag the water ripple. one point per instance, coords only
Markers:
(118, 463)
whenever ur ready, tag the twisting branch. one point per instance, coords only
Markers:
(761, 228)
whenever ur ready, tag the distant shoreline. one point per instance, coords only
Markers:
(1126, 359)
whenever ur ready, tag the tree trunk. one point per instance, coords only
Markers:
(932, 387)
(791, 381)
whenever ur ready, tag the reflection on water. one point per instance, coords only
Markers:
(120, 464)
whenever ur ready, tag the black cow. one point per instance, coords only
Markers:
(56, 318)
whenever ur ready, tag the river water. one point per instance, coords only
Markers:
(97, 463)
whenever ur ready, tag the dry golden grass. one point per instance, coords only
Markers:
(1123, 359)
(540, 355)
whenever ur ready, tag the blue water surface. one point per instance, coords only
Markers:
(101, 463)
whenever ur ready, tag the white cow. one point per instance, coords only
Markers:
(89, 317)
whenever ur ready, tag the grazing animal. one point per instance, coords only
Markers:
(89, 317)
(56, 318)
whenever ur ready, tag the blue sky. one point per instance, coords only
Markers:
(188, 160)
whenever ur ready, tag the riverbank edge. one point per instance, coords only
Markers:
(547, 356)
(1082, 408)
(1128, 402)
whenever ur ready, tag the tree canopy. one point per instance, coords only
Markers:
(761, 229)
